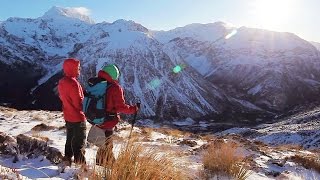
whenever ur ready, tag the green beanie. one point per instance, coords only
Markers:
(112, 70)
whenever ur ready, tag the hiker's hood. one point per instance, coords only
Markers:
(106, 76)
(71, 67)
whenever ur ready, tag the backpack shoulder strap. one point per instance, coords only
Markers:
(94, 80)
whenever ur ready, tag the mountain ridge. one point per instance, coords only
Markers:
(237, 70)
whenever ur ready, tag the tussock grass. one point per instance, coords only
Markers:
(291, 147)
(208, 137)
(223, 159)
(307, 161)
(42, 127)
(39, 117)
(7, 109)
(7, 113)
(173, 132)
(9, 173)
(39, 136)
(147, 131)
(137, 162)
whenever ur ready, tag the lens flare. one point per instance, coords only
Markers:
(231, 34)
(177, 69)
(154, 84)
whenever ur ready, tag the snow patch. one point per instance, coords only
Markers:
(60, 13)
(255, 89)
(186, 122)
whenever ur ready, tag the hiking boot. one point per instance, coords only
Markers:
(84, 168)
(66, 161)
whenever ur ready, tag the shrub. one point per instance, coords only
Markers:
(136, 162)
(307, 161)
(9, 173)
(223, 159)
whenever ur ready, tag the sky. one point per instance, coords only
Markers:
(296, 16)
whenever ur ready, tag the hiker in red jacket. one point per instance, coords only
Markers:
(115, 104)
(71, 95)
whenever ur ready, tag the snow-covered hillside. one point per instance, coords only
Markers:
(186, 149)
(147, 70)
(300, 129)
(316, 44)
(271, 70)
(201, 32)
(223, 70)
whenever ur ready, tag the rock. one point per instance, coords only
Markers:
(8, 145)
(187, 142)
(30, 145)
(42, 127)
(278, 162)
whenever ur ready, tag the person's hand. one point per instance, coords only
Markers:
(138, 106)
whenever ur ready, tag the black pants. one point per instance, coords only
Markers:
(104, 154)
(75, 143)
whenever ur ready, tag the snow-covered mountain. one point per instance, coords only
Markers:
(316, 44)
(148, 75)
(272, 70)
(67, 14)
(32, 144)
(301, 128)
(222, 70)
(34, 48)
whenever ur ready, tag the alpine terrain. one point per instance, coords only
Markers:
(201, 71)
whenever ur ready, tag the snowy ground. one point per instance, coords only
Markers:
(268, 161)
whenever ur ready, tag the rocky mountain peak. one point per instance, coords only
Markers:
(129, 25)
(65, 13)
(210, 32)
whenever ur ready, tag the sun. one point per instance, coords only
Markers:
(272, 14)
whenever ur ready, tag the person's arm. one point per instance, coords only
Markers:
(76, 95)
(120, 104)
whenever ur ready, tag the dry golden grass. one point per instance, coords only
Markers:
(38, 117)
(224, 159)
(307, 161)
(8, 173)
(42, 127)
(39, 136)
(7, 109)
(172, 132)
(291, 147)
(147, 131)
(8, 114)
(136, 162)
(208, 137)
(118, 138)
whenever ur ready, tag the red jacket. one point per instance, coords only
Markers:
(115, 102)
(70, 92)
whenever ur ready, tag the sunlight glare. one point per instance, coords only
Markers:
(272, 13)
(233, 32)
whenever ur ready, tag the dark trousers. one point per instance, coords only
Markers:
(75, 143)
(104, 154)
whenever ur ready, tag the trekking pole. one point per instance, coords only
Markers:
(134, 119)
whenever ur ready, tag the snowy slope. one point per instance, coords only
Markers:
(55, 33)
(148, 73)
(243, 69)
(316, 44)
(202, 32)
(260, 66)
(59, 13)
(186, 149)
(300, 129)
